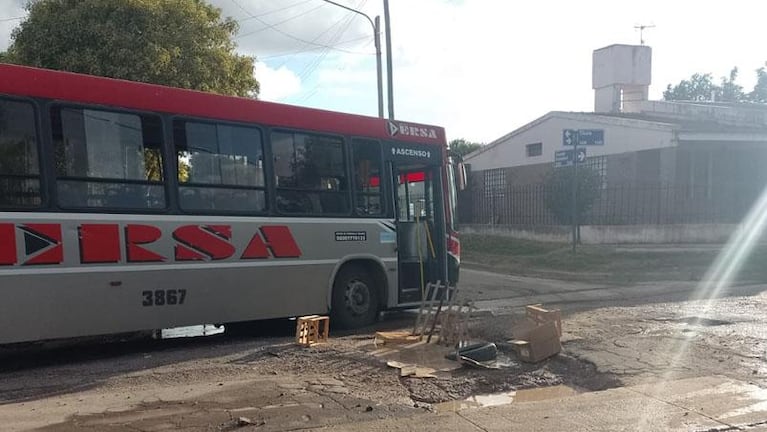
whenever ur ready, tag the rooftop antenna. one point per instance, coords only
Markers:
(641, 28)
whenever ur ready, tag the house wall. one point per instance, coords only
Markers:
(616, 234)
(621, 136)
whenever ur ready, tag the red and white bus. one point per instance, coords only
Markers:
(127, 206)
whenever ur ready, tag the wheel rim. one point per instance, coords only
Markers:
(357, 297)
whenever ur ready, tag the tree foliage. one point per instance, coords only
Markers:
(461, 147)
(178, 43)
(559, 196)
(701, 87)
(759, 94)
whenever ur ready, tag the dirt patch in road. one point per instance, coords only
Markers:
(271, 383)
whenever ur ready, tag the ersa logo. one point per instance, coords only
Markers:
(43, 243)
(410, 130)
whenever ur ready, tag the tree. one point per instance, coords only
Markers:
(3, 57)
(759, 94)
(178, 43)
(559, 192)
(461, 147)
(729, 90)
(698, 87)
(701, 87)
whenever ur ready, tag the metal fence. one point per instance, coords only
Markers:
(653, 204)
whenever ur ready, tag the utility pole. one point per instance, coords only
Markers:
(389, 82)
(641, 28)
(377, 38)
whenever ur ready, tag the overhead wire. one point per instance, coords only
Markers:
(286, 34)
(300, 51)
(312, 66)
(12, 19)
(316, 38)
(276, 10)
(272, 26)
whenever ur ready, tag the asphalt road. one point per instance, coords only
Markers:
(501, 293)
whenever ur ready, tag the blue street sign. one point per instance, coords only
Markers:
(581, 155)
(584, 137)
(569, 136)
(564, 158)
(591, 137)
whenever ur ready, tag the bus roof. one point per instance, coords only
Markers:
(72, 87)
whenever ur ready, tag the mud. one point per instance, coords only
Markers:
(258, 382)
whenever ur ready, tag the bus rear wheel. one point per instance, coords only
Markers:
(355, 298)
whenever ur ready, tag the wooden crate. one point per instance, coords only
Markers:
(312, 330)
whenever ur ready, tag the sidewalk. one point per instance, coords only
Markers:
(696, 404)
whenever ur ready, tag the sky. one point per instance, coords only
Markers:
(479, 68)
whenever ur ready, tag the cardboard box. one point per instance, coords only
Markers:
(540, 315)
(536, 342)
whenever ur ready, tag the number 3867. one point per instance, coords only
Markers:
(167, 297)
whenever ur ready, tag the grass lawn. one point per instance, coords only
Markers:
(609, 263)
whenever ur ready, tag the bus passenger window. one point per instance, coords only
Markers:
(368, 192)
(19, 163)
(310, 174)
(415, 195)
(220, 167)
(107, 159)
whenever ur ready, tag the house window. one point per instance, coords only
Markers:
(534, 150)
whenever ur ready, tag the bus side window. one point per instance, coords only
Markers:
(310, 174)
(107, 159)
(220, 167)
(368, 168)
(19, 161)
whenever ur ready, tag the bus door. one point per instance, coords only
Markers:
(419, 234)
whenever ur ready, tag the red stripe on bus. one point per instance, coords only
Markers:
(8, 244)
(203, 240)
(281, 241)
(51, 233)
(99, 243)
(27, 81)
(136, 235)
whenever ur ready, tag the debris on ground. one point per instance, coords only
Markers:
(477, 352)
(395, 337)
(537, 337)
(406, 369)
(244, 421)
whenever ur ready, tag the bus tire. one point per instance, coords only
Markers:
(355, 300)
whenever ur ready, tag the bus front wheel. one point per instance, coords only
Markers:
(355, 298)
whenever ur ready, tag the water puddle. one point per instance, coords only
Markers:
(505, 398)
(544, 393)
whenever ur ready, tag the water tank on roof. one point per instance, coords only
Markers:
(621, 77)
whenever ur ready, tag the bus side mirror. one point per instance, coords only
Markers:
(461, 176)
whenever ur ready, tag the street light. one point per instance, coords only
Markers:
(377, 34)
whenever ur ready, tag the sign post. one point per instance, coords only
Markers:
(575, 192)
(574, 138)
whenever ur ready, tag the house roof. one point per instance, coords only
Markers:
(646, 120)
(603, 118)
